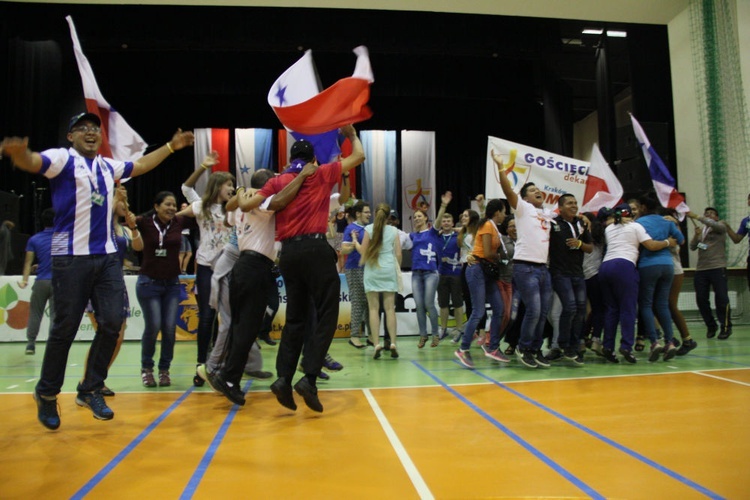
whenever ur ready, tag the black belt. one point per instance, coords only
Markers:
(301, 237)
(253, 253)
(528, 263)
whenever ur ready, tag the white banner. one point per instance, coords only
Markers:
(555, 175)
(417, 174)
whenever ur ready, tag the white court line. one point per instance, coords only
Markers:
(722, 378)
(12, 387)
(416, 478)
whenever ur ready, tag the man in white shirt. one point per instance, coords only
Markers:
(530, 273)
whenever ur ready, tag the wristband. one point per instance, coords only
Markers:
(667, 242)
(204, 167)
(169, 147)
(580, 243)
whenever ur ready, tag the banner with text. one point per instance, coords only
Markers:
(554, 174)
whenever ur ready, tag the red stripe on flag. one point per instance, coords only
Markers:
(283, 149)
(593, 186)
(220, 144)
(342, 103)
(103, 113)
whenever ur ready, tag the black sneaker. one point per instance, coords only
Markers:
(554, 354)
(228, 389)
(526, 358)
(609, 356)
(628, 356)
(94, 401)
(30, 348)
(686, 347)
(711, 332)
(47, 411)
(725, 333)
(541, 360)
(570, 353)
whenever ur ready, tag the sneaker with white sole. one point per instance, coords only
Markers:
(94, 401)
(526, 358)
(465, 358)
(496, 355)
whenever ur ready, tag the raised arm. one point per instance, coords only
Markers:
(345, 189)
(146, 163)
(444, 200)
(510, 195)
(358, 152)
(18, 150)
(209, 161)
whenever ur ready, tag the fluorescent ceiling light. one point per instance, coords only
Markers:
(592, 31)
(617, 34)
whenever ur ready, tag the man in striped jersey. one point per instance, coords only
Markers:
(84, 254)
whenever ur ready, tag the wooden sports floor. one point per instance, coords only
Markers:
(417, 427)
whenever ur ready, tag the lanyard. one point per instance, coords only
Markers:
(161, 233)
(446, 240)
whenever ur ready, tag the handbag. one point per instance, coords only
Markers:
(491, 269)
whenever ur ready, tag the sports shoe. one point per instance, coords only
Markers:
(197, 380)
(47, 411)
(541, 359)
(443, 334)
(628, 356)
(496, 355)
(578, 361)
(30, 348)
(207, 376)
(106, 392)
(465, 358)
(554, 354)
(669, 351)
(323, 376)
(147, 377)
(526, 358)
(95, 402)
(332, 364)
(596, 346)
(609, 356)
(686, 347)
(229, 390)
(422, 342)
(569, 353)
(725, 333)
(711, 332)
(394, 351)
(164, 380)
(259, 374)
(656, 350)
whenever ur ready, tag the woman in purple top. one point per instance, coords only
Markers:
(424, 270)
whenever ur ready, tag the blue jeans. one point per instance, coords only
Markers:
(423, 288)
(206, 314)
(159, 301)
(75, 280)
(482, 291)
(572, 293)
(653, 298)
(534, 285)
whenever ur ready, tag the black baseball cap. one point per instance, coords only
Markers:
(393, 215)
(84, 116)
(303, 150)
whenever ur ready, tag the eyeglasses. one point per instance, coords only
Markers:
(86, 129)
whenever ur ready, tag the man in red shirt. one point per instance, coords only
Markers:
(308, 266)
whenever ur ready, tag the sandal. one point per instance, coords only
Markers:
(640, 343)
(435, 341)
(510, 350)
(422, 342)
(147, 377)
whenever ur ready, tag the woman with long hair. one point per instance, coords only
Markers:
(210, 212)
(158, 285)
(424, 270)
(488, 247)
(351, 246)
(381, 257)
(469, 225)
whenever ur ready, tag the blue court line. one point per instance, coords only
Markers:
(518, 439)
(200, 471)
(674, 475)
(130, 447)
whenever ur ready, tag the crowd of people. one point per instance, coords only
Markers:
(583, 274)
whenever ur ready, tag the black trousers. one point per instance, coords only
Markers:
(311, 280)
(249, 289)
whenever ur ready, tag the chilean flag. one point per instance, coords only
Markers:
(301, 107)
(603, 189)
(119, 140)
(664, 183)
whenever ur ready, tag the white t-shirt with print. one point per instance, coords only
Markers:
(533, 226)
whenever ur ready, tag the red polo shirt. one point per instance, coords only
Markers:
(308, 211)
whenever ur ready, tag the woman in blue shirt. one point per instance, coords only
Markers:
(424, 270)
(656, 271)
